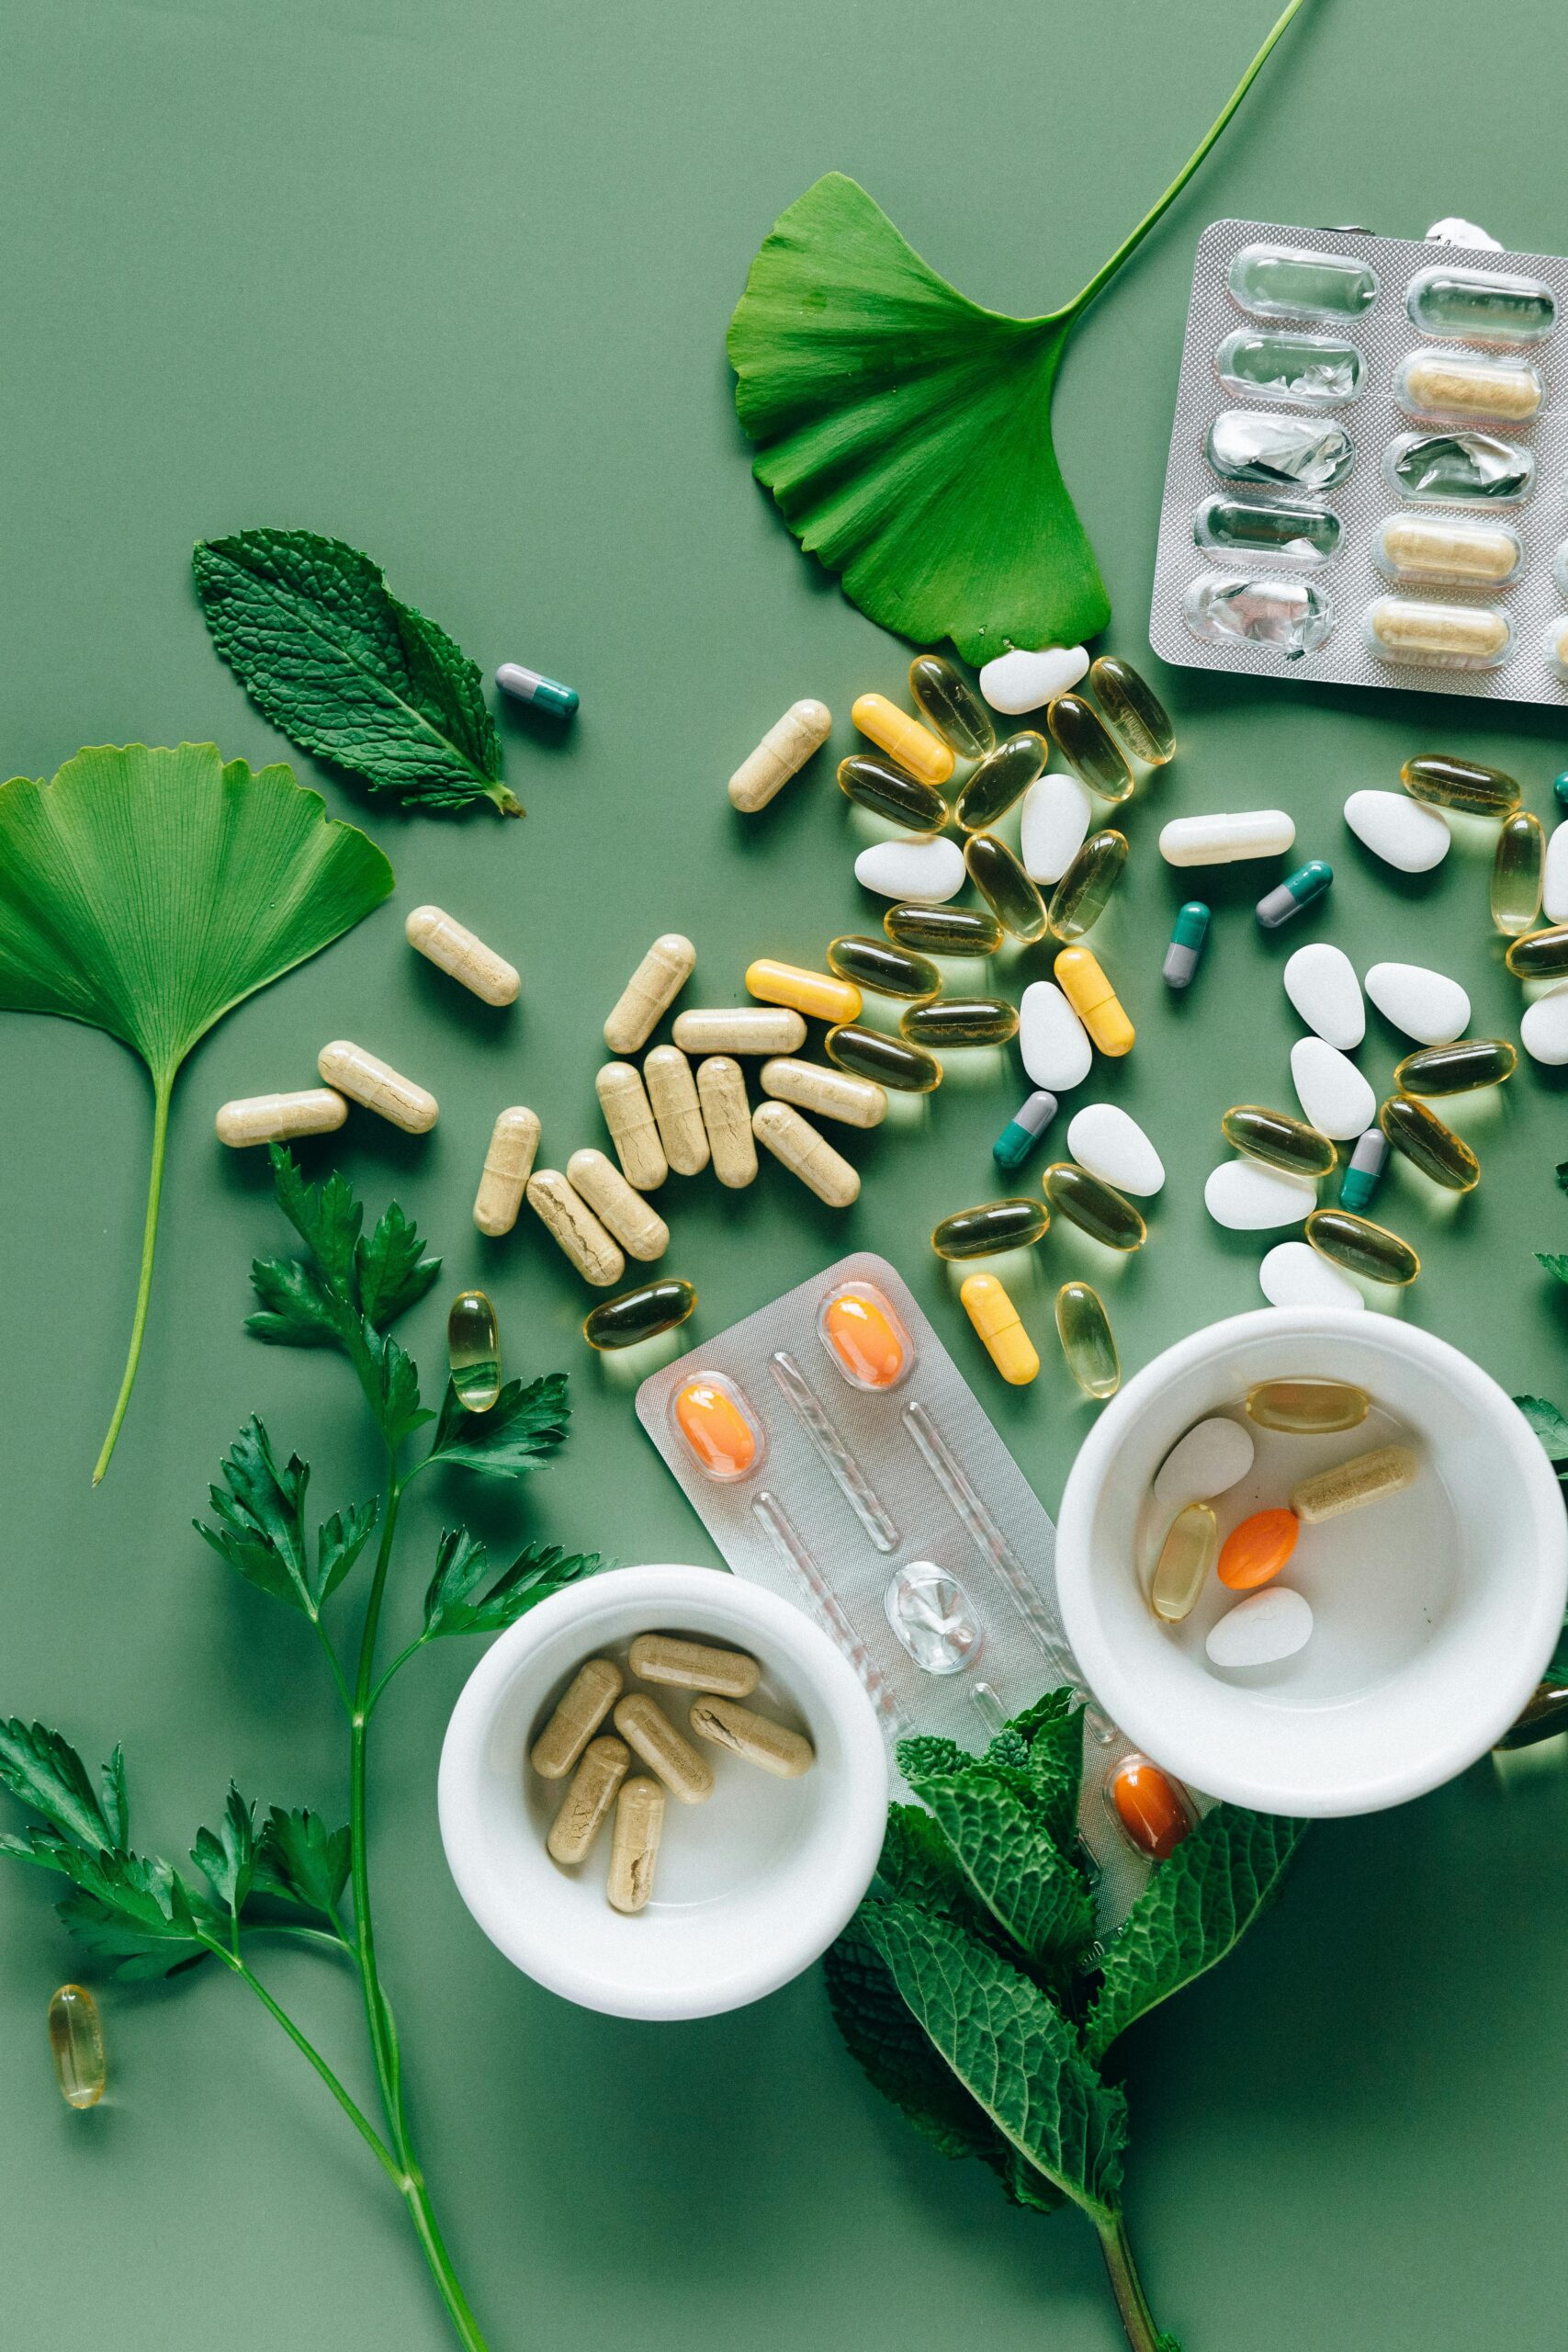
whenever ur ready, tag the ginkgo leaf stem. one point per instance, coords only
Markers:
(163, 1090)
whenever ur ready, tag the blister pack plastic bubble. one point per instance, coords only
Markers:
(836, 1453)
(1426, 552)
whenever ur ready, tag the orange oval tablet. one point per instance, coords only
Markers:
(722, 1435)
(1150, 1808)
(1257, 1549)
(865, 1338)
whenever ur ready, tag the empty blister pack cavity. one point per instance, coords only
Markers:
(1277, 282)
(1280, 529)
(1308, 370)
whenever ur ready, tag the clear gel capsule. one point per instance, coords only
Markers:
(1095, 1206)
(1087, 1341)
(1024, 1129)
(913, 748)
(934, 1618)
(1282, 1141)
(1317, 371)
(1306, 1408)
(1188, 934)
(76, 2043)
(887, 1061)
(473, 1350)
(1454, 1070)
(1278, 282)
(959, 1021)
(1438, 637)
(1449, 782)
(1283, 528)
(1186, 1560)
(877, 965)
(1539, 955)
(1002, 777)
(1296, 891)
(1291, 614)
(1088, 747)
(996, 1320)
(1362, 1247)
(1447, 383)
(1134, 709)
(995, 1224)
(639, 1314)
(1285, 452)
(1486, 305)
(1363, 1171)
(1421, 1135)
(949, 704)
(1152, 1811)
(943, 931)
(865, 1337)
(718, 1428)
(1460, 467)
(1082, 980)
(888, 790)
(1082, 895)
(1005, 886)
(1446, 552)
(1518, 865)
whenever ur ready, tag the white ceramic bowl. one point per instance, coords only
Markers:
(751, 1887)
(1435, 1612)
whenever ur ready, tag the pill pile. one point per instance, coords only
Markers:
(600, 1765)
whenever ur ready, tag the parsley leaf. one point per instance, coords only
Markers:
(44, 1770)
(522, 1429)
(262, 1534)
(301, 1859)
(226, 1857)
(462, 1565)
(1557, 1265)
(1548, 1425)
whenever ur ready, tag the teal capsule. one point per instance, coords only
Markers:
(1024, 1129)
(1363, 1172)
(532, 687)
(1082, 896)
(1560, 787)
(1002, 777)
(1188, 934)
(890, 791)
(1296, 891)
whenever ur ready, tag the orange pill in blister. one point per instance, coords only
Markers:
(716, 1424)
(865, 1338)
(1149, 1807)
(1257, 1549)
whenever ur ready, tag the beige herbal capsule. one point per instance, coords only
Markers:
(634, 1847)
(277, 1118)
(648, 1733)
(639, 1229)
(649, 993)
(606, 1763)
(566, 1214)
(739, 1029)
(727, 1115)
(1365, 1478)
(672, 1091)
(584, 1704)
(376, 1086)
(508, 1162)
(795, 1143)
(629, 1115)
(449, 944)
(832, 1093)
(783, 750)
(753, 1737)
(694, 1665)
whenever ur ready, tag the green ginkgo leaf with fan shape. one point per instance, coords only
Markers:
(904, 431)
(146, 893)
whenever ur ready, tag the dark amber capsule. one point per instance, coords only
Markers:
(1276, 1137)
(887, 1061)
(1454, 1070)
(1421, 1135)
(887, 970)
(638, 1314)
(943, 931)
(1002, 777)
(1361, 1248)
(1087, 747)
(1080, 897)
(1539, 955)
(948, 702)
(1459, 784)
(1005, 886)
(1545, 1715)
(890, 791)
(1135, 710)
(961, 1021)
(1094, 1205)
(995, 1224)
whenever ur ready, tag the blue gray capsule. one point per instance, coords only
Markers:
(1296, 891)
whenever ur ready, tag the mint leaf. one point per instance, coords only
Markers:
(1548, 1424)
(522, 1429)
(299, 1859)
(1053, 1729)
(1198, 1905)
(462, 1564)
(390, 1268)
(1001, 1842)
(44, 1770)
(335, 660)
(917, 1864)
(926, 1755)
(226, 1857)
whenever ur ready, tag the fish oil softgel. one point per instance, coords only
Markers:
(76, 2044)
(473, 1350)
(1003, 776)
(637, 1314)
(950, 707)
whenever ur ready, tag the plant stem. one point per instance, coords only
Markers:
(1137, 2319)
(1102, 277)
(163, 1088)
(308, 2050)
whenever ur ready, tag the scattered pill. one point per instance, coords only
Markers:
(1426, 1005)
(1005, 886)
(637, 1314)
(914, 748)
(1186, 1558)
(1491, 305)
(944, 931)
(717, 1426)
(622, 1211)
(1051, 1039)
(1321, 983)
(1363, 1171)
(1430, 1146)
(1255, 1552)
(885, 1061)
(1002, 776)
(1246, 1197)
(583, 1707)
(890, 792)
(1084, 891)
(629, 1115)
(782, 751)
(1296, 891)
(993, 1225)
(1222, 840)
(76, 2044)
(950, 705)
(1518, 872)
(1134, 709)
(832, 1093)
(508, 1162)
(1350, 1486)
(985, 1302)
(1089, 1345)
(959, 1021)
(1306, 1408)
(1445, 550)
(1337, 1099)
(1109, 1143)
(756, 1739)
(567, 1216)
(648, 994)
(1081, 979)
(1188, 934)
(1278, 1139)
(278, 1118)
(1260, 1630)
(886, 970)
(634, 1844)
(1095, 1207)
(473, 1350)
(1554, 878)
(928, 873)
(377, 1087)
(797, 1145)
(1539, 955)
(1024, 1129)
(586, 1804)
(1400, 830)
(694, 1665)
(532, 687)
(672, 1092)
(454, 949)
(1293, 1275)
(746, 1028)
(817, 996)
(727, 1116)
(865, 1338)
(1445, 782)
(1153, 1812)
(1212, 1457)
(1022, 681)
(1088, 747)
(1054, 819)
(1543, 1028)
(649, 1733)
(1362, 1247)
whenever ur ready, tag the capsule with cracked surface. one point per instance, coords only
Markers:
(782, 753)
(649, 1733)
(1439, 636)
(456, 950)
(1430, 1146)
(924, 755)
(633, 1316)
(377, 1086)
(1094, 1206)
(831, 1093)
(648, 994)
(694, 1665)
(566, 1215)
(634, 1843)
(889, 791)
(1006, 889)
(509, 1163)
(629, 1115)
(950, 707)
(1350, 1486)
(755, 1738)
(1455, 1069)
(672, 1091)
(795, 1145)
(884, 1061)
(738, 1029)
(959, 1021)
(622, 1210)
(586, 1804)
(727, 1115)
(278, 1118)
(583, 1707)
(76, 2046)
(990, 1309)
(817, 996)
(886, 970)
(943, 931)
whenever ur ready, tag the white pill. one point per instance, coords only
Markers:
(1337, 1099)
(1554, 882)
(1109, 1143)
(1055, 818)
(1248, 1197)
(1427, 1006)
(1543, 1031)
(1398, 829)
(1260, 1630)
(1321, 982)
(1051, 1039)
(1204, 1462)
(1020, 681)
(1221, 841)
(1293, 1275)
(928, 873)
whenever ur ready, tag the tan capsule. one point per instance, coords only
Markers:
(648, 1733)
(795, 1143)
(276, 1118)
(378, 1087)
(639, 1229)
(783, 750)
(694, 1665)
(584, 1704)
(634, 1847)
(649, 993)
(1365, 1478)
(739, 1029)
(508, 1162)
(672, 1091)
(833, 1093)
(454, 949)
(727, 1115)
(566, 1214)
(606, 1763)
(629, 1115)
(752, 1738)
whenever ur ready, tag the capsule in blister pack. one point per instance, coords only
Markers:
(1280, 529)
(1313, 370)
(1446, 550)
(1464, 383)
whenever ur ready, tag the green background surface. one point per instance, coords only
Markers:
(450, 279)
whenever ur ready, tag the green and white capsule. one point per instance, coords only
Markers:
(532, 687)
(1363, 1173)
(1024, 1129)
(1188, 934)
(1421, 1135)
(1080, 898)
(1296, 891)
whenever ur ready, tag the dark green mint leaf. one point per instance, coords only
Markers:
(917, 1864)
(1554, 1265)
(998, 1837)
(299, 1859)
(391, 1272)
(225, 1856)
(523, 1427)
(926, 1756)
(340, 1543)
(461, 1566)
(44, 1770)
(1548, 1424)
(262, 1532)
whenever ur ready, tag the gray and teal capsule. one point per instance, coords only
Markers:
(1188, 934)
(1296, 891)
(1560, 787)
(532, 685)
(1024, 1129)
(1363, 1171)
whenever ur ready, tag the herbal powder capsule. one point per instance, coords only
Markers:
(773, 1748)
(672, 1091)
(694, 1665)
(634, 1846)
(629, 1115)
(509, 1163)
(727, 1116)
(737, 1029)
(443, 941)
(567, 1216)
(832, 1093)
(648, 994)
(797, 1145)
(378, 1087)
(649, 1733)
(782, 753)
(622, 1210)
(278, 1118)
(583, 1707)
(586, 1804)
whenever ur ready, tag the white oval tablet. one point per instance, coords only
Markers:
(1051, 829)
(1337, 1099)
(1221, 841)
(928, 873)
(1020, 681)
(1260, 1630)
(1201, 1464)
(1248, 1197)
(1051, 1039)
(1398, 829)
(1543, 1029)
(1554, 881)
(1109, 1143)
(1293, 1275)
(1321, 982)
(1426, 1005)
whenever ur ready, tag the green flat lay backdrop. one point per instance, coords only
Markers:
(450, 279)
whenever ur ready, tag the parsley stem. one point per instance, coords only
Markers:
(308, 2050)
(1137, 2319)
(163, 1088)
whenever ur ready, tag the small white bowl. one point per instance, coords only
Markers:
(750, 1887)
(1436, 1612)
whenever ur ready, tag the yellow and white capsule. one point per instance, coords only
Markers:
(454, 949)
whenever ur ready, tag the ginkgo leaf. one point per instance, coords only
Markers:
(904, 431)
(147, 892)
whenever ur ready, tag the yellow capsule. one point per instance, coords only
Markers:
(925, 755)
(943, 931)
(377, 1086)
(1449, 782)
(634, 1844)
(719, 1427)
(1186, 1557)
(1002, 777)
(456, 951)
(1005, 886)
(633, 1316)
(622, 1210)
(996, 1319)
(1278, 1139)
(649, 1733)
(1088, 748)
(509, 1163)
(1134, 709)
(877, 965)
(887, 1061)
(995, 1224)
(76, 2039)
(782, 751)
(1081, 979)
(727, 1116)
(1361, 1248)
(672, 1091)
(1095, 1206)
(817, 995)
(887, 791)
(865, 1338)
(1306, 1408)
(1539, 955)
(1517, 868)
(1350, 1486)
(566, 1215)
(1433, 1148)
(629, 1115)
(473, 1350)
(959, 1021)
(648, 994)
(581, 1708)
(278, 1118)
(951, 706)
(1080, 898)
(1454, 1070)
(797, 1145)
(1087, 1341)
(586, 1804)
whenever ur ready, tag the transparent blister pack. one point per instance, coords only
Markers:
(835, 1453)
(1367, 480)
